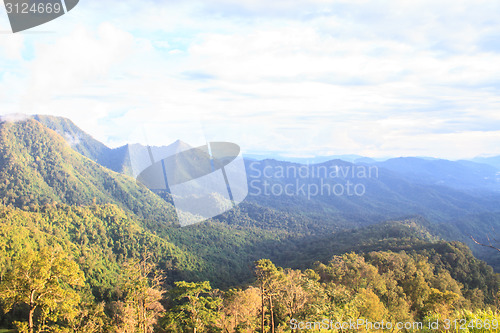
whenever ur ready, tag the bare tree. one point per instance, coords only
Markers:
(490, 244)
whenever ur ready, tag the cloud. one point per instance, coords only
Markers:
(14, 117)
(316, 78)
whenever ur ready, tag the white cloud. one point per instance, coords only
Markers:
(319, 77)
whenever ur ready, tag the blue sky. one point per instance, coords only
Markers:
(312, 78)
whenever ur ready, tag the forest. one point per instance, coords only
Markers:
(91, 269)
(87, 249)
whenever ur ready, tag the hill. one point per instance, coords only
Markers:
(494, 161)
(455, 196)
(462, 175)
(350, 254)
(362, 193)
(38, 167)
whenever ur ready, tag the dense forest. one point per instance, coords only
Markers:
(87, 249)
(93, 269)
(51, 286)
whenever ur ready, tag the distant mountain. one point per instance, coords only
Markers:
(454, 174)
(438, 189)
(140, 157)
(116, 159)
(313, 159)
(494, 161)
(359, 194)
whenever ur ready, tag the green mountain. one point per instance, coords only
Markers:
(457, 197)
(39, 170)
(342, 256)
(114, 159)
(38, 167)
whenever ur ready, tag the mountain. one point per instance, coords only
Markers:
(359, 193)
(440, 190)
(117, 159)
(443, 192)
(312, 159)
(352, 238)
(42, 173)
(38, 167)
(463, 175)
(494, 161)
(114, 159)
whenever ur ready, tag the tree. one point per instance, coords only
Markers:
(44, 281)
(140, 285)
(269, 277)
(292, 295)
(91, 318)
(241, 309)
(194, 310)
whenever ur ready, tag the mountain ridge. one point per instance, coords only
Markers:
(38, 162)
(389, 197)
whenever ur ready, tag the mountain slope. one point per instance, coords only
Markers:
(494, 161)
(455, 174)
(38, 167)
(101, 237)
(323, 189)
(264, 224)
(114, 159)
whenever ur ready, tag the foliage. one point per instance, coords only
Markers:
(140, 289)
(124, 266)
(44, 282)
(194, 308)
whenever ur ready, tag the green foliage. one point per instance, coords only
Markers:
(194, 308)
(139, 289)
(99, 237)
(103, 224)
(37, 167)
(418, 280)
(44, 282)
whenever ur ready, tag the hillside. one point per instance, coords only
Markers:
(396, 269)
(99, 236)
(38, 167)
(382, 193)
(114, 159)
(456, 196)
(116, 249)
(463, 175)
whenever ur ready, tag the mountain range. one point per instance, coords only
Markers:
(47, 161)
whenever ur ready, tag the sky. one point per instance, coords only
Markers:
(304, 78)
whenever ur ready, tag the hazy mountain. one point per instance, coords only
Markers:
(454, 174)
(359, 193)
(494, 161)
(438, 189)
(116, 159)
(313, 159)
